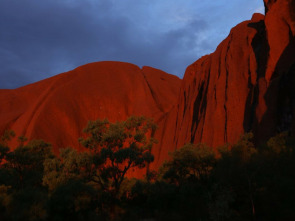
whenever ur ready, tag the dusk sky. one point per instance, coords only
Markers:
(42, 38)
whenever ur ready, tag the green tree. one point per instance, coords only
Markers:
(22, 196)
(118, 147)
(276, 179)
(25, 163)
(192, 161)
(4, 149)
(74, 200)
(184, 183)
(70, 165)
(235, 179)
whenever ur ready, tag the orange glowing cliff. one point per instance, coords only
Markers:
(247, 84)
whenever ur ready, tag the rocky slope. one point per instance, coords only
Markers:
(57, 109)
(247, 84)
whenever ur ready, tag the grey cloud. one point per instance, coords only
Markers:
(39, 39)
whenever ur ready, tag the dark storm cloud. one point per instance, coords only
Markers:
(39, 39)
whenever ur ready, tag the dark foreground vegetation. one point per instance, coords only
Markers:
(241, 182)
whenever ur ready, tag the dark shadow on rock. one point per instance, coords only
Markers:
(279, 97)
(200, 105)
(280, 93)
(261, 49)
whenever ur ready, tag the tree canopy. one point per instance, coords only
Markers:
(242, 181)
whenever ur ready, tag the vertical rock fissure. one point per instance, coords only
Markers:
(184, 109)
(199, 110)
(196, 111)
(226, 89)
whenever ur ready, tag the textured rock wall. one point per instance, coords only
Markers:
(245, 85)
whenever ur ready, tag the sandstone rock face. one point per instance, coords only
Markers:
(57, 109)
(268, 4)
(217, 89)
(247, 84)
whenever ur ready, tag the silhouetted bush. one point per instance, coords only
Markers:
(238, 182)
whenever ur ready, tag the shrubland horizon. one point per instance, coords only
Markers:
(231, 183)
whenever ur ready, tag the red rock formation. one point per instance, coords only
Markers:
(247, 84)
(57, 109)
(216, 88)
